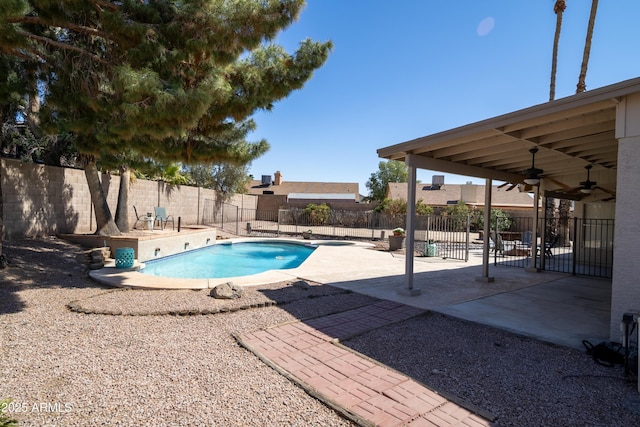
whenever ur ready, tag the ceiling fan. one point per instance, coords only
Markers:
(533, 173)
(587, 187)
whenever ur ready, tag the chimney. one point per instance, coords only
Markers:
(469, 193)
(277, 178)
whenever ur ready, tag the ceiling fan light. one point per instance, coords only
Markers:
(585, 190)
(532, 181)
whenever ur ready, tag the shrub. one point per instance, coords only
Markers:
(458, 214)
(423, 209)
(318, 214)
(397, 207)
(498, 216)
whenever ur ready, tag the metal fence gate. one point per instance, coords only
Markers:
(578, 246)
(446, 237)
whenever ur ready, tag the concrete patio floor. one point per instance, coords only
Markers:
(553, 307)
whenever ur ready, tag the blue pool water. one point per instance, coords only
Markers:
(230, 260)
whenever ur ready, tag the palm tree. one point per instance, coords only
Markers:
(550, 211)
(581, 87)
(564, 204)
(558, 8)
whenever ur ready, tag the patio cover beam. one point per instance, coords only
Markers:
(423, 162)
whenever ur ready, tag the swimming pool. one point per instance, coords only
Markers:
(230, 260)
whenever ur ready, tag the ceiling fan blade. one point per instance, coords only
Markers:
(599, 197)
(606, 190)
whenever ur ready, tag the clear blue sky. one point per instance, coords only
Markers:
(405, 69)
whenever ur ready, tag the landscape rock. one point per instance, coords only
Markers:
(99, 253)
(96, 265)
(227, 291)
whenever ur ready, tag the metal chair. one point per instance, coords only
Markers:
(550, 245)
(163, 218)
(496, 243)
(139, 218)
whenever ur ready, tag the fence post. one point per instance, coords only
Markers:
(426, 237)
(575, 246)
(278, 223)
(371, 226)
(237, 222)
(466, 254)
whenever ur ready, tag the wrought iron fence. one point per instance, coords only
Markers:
(568, 245)
(577, 246)
(449, 235)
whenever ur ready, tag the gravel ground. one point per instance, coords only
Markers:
(75, 353)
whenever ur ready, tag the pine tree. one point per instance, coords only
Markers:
(157, 79)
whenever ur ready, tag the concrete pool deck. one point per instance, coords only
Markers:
(132, 277)
(554, 307)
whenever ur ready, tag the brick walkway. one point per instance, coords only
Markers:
(360, 388)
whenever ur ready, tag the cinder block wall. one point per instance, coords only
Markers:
(41, 200)
(44, 200)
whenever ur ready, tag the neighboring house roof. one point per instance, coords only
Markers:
(323, 196)
(471, 194)
(307, 188)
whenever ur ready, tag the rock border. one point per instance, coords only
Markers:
(229, 306)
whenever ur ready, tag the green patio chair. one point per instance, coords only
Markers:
(163, 218)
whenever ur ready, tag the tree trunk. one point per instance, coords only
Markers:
(32, 118)
(550, 228)
(122, 219)
(564, 235)
(582, 85)
(3, 259)
(558, 8)
(104, 219)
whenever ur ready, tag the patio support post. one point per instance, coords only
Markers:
(487, 230)
(534, 230)
(410, 231)
(625, 292)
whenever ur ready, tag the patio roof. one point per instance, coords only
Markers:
(570, 133)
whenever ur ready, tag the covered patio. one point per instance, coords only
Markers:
(584, 148)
